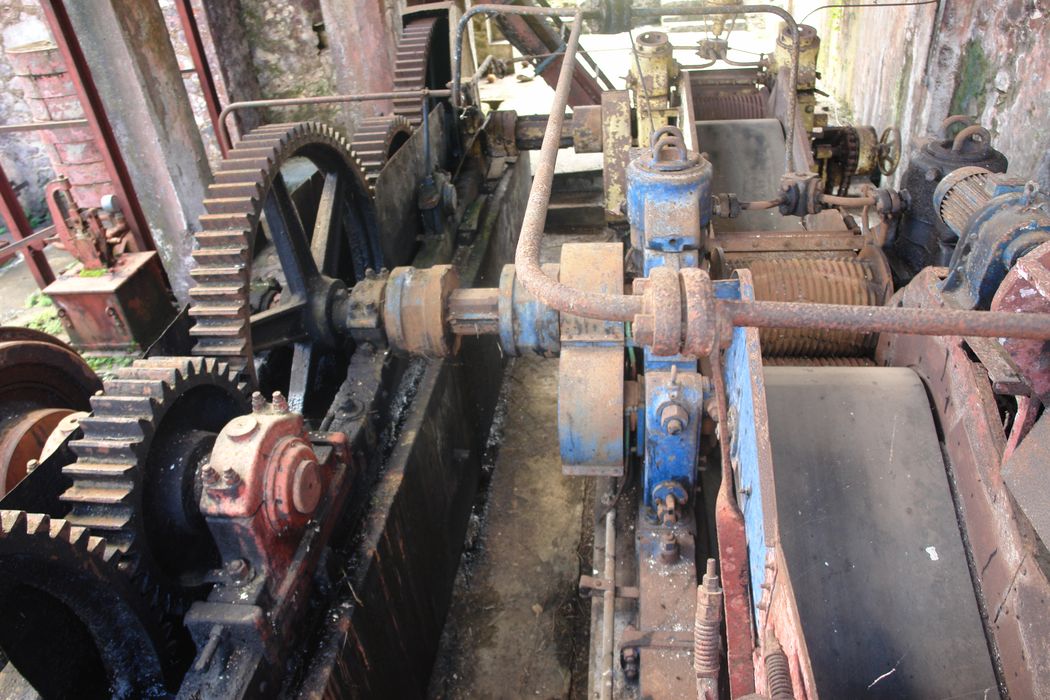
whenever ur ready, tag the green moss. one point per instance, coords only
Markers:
(971, 83)
(102, 364)
(93, 273)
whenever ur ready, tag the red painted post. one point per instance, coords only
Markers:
(18, 225)
(65, 37)
(200, 64)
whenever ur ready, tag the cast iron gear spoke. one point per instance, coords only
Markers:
(290, 214)
(134, 481)
(74, 625)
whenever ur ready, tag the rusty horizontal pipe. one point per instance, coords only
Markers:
(44, 126)
(229, 109)
(886, 319)
(848, 201)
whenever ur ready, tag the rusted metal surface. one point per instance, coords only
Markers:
(416, 308)
(318, 100)
(62, 30)
(529, 130)
(668, 598)
(590, 382)
(707, 634)
(18, 225)
(743, 242)
(126, 306)
(845, 281)
(616, 144)
(533, 35)
(376, 140)
(586, 125)
(1026, 288)
(1012, 590)
(199, 57)
(23, 439)
(414, 67)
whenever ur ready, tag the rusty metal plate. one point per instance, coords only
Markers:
(1025, 475)
(616, 145)
(870, 537)
(590, 380)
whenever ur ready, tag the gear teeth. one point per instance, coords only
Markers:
(410, 67)
(219, 299)
(108, 477)
(374, 142)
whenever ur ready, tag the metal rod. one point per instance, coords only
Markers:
(609, 605)
(69, 46)
(613, 307)
(457, 51)
(224, 138)
(18, 224)
(200, 64)
(36, 238)
(886, 319)
(43, 126)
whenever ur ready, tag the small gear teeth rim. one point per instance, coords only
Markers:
(377, 130)
(108, 476)
(219, 299)
(410, 66)
(62, 542)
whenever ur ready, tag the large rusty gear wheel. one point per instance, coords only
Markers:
(414, 69)
(376, 140)
(261, 230)
(134, 481)
(73, 624)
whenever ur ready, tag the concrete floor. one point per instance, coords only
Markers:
(17, 284)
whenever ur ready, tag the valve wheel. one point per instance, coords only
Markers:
(889, 151)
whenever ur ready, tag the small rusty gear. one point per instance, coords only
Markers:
(420, 64)
(134, 478)
(235, 229)
(376, 140)
(74, 624)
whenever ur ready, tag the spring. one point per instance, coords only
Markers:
(778, 675)
(821, 281)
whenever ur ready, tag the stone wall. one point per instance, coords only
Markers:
(914, 66)
(23, 155)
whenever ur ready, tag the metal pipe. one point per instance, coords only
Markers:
(43, 126)
(37, 238)
(886, 319)
(229, 109)
(609, 605)
(457, 50)
(613, 307)
(848, 201)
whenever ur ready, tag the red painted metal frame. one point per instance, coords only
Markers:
(191, 30)
(65, 37)
(18, 224)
